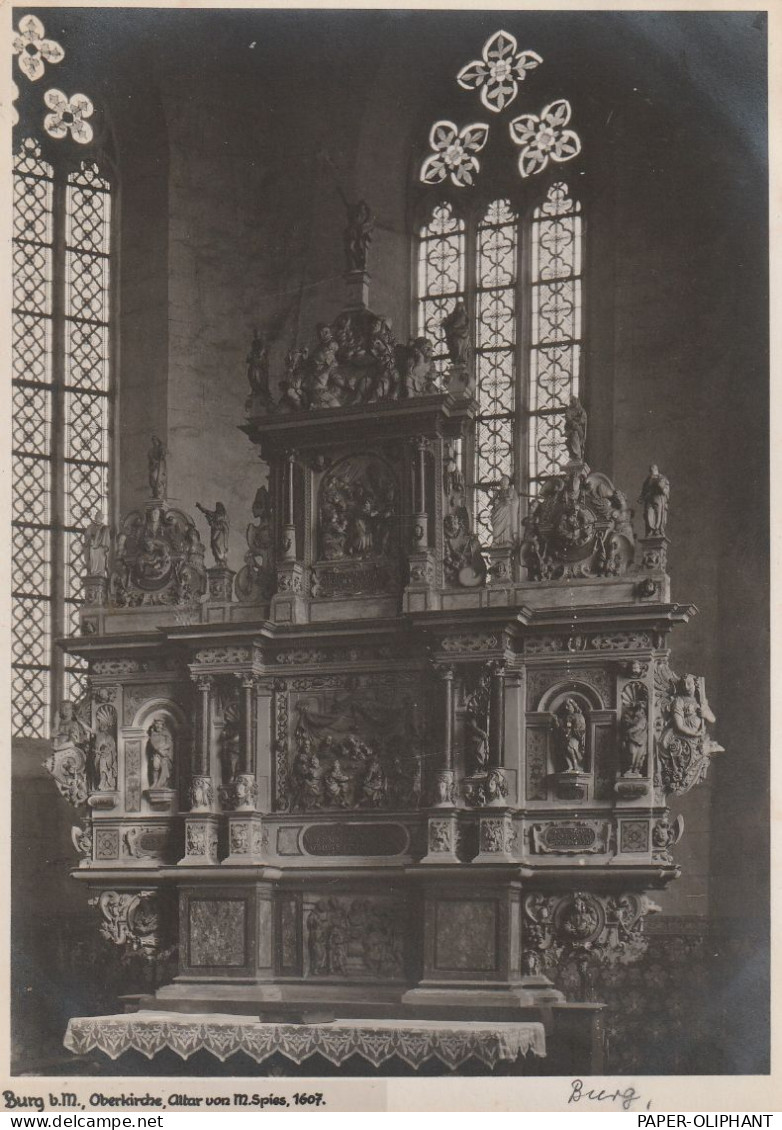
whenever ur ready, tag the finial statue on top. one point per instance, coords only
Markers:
(96, 547)
(358, 234)
(158, 476)
(219, 527)
(456, 327)
(575, 429)
(655, 493)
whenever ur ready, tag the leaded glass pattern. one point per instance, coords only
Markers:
(555, 328)
(496, 323)
(440, 276)
(61, 416)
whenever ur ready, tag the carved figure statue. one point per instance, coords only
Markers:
(317, 938)
(634, 728)
(476, 712)
(258, 367)
(571, 731)
(655, 493)
(158, 476)
(105, 751)
(689, 712)
(420, 371)
(160, 755)
(293, 392)
(382, 348)
(219, 527)
(505, 514)
(325, 384)
(67, 762)
(575, 429)
(230, 750)
(308, 779)
(97, 546)
(456, 327)
(373, 784)
(337, 782)
(154, 560)
(358, 235)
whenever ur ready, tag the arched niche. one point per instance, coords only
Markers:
(553, 697)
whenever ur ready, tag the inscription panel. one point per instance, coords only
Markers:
(355, 839)
(217, 932)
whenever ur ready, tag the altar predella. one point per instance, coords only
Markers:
(380, 768)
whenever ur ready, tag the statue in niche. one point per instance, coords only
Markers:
(156, 462)
(97, 547)
(505, 514)
(105, 756)
(456, 327)
(358, 235)
(420, 371)
(219, 528)
(373, 783)
(258, 368)
(160, 755)
(230, 747)
(71, 745)
(633, 729)
(292, 386)
(575, 429)
(570, 730)
(337, 783)
(476, 721)
(655, 493)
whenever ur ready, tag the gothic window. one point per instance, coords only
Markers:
(518, 268)
(61, 412)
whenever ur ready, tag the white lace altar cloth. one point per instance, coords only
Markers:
(374, 1040)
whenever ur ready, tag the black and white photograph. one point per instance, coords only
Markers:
(389, 449)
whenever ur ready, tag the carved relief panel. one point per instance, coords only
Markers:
(349, 936)
(350, 742)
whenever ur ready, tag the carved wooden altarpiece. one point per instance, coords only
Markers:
(381, 769)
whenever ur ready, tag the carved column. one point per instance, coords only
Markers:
(497, 716)
(289, 529)
(441, 824)
(201, 822)
(421, 560)
(287, 604)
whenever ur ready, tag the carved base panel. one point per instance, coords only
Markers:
(201, 838)
(246, 839)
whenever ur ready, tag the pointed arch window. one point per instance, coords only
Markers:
(61, 413)
(519, 271)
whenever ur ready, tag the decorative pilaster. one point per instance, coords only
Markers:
(221, 584)
(421, 518)
(288, 546)
(654, 553)
(442, 781)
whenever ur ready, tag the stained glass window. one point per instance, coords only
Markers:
(520, 275)
(61, 425)
(555, 335)
(496, 320)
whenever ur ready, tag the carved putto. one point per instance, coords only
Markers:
(159, 559)
(683, 745)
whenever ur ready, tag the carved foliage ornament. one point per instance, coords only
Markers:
(131, 920)
(559, 927)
